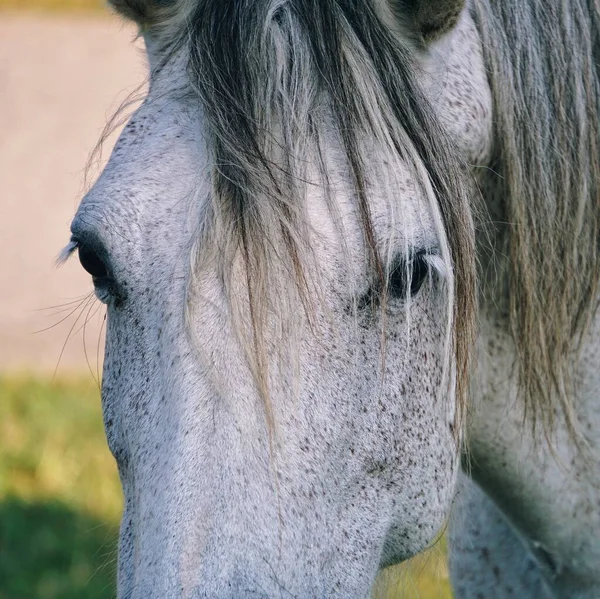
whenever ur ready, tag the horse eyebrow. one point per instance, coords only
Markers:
(67, 251)
(435, 260)
(433, 256)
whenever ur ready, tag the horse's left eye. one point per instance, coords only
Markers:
(406, 278)
(92, 262)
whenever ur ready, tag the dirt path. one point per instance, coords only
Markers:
(60, 78)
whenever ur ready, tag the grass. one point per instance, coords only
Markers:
(60, 501)
(59, 494)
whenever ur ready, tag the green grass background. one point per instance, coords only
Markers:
(59, 494)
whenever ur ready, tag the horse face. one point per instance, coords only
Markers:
(347, 461)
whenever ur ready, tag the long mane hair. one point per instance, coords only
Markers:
(264, 70)
(543, 58)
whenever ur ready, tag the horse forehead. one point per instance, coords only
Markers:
(165, 130)
(156, 168)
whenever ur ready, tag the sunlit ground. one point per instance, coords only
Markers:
(60, 500)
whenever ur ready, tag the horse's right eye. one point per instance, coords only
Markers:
(93, 263)
(407, 278)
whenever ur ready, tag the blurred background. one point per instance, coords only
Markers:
(66, 66)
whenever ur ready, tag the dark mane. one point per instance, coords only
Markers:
(269, 75)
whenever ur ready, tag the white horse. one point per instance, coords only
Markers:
(284, 237)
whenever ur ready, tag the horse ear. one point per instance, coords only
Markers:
(430, 19)
(144, 12)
